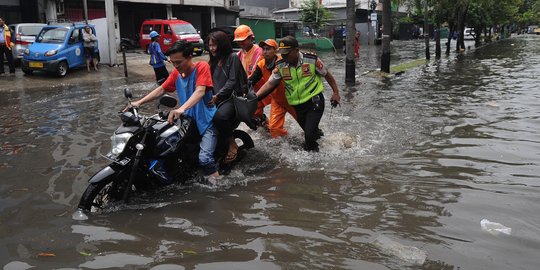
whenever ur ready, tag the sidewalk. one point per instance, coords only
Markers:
(137, 64)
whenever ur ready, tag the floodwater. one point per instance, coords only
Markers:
(408, 168)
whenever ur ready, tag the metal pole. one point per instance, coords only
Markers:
(125, 62)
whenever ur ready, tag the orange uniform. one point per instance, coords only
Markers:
(277, 99)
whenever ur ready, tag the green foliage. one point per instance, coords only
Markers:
(314, 14)
(529, 12)
(405, 19)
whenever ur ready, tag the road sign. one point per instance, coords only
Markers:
(373, 16)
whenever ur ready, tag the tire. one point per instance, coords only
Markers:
(99, 194)
(147, 50)
(247, 141)
(27, 71)
(96, 197)
(62, 69)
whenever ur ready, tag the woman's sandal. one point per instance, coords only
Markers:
(233, 152)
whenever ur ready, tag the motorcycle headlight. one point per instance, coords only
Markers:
(51, 52)
(118, 142)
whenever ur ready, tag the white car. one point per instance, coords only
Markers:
(468, 34)
(23, 34)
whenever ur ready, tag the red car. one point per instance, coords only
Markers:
(169, 32)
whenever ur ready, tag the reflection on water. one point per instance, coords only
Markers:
(417, 161)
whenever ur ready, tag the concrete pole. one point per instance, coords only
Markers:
(50, 11)
(212, 17)
(85, 11)
(426, 28)
(387, 31)
(109, 13)
(350, 64)
(169, 12)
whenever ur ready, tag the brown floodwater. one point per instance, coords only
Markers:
(409, 167)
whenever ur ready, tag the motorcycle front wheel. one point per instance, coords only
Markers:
(99, 194)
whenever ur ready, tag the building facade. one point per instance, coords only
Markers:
(129, 14)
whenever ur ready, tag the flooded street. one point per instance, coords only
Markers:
(408, 168)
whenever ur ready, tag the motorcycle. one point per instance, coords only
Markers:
(147, 152)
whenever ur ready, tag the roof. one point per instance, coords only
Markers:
(167, 20)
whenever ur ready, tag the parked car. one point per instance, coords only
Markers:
(531, 28)
(23, 34)
(468, 34)
(57, 49)
(169, 32)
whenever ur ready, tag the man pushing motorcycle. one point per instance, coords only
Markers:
(193, 85)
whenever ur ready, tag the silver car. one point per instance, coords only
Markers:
(23, 34)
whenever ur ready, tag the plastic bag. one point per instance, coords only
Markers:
(494, 227)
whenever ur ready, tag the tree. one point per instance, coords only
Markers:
(529, 13)
(314, 14)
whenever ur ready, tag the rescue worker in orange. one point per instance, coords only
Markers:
(263, 71)
(249, 55)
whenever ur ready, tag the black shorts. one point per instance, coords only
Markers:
(89, 52)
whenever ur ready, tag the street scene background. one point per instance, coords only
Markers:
(409, 167)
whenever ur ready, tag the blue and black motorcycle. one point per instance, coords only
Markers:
(148, 152)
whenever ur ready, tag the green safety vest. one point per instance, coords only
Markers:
(301, 83)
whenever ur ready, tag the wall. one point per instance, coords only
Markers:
(263, 29)
(10, 11)
(102, 36)
(132, 15)
(270, 4)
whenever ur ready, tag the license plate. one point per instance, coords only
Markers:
(36, 65)
(196, 49)
(112, 158)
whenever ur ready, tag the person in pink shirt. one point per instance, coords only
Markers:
(249, 55)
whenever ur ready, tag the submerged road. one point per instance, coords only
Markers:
(409, 167)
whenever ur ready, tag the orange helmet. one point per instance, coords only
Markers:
(242, 32)
(269, 42)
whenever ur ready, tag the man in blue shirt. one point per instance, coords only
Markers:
(193, 85)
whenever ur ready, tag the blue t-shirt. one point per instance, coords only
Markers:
(185, 87)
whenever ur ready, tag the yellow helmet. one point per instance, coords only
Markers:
(242, 32)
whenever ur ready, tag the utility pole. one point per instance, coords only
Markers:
(426, 27)
(350, 63)
(387, 31)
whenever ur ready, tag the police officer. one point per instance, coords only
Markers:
(301, 74)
